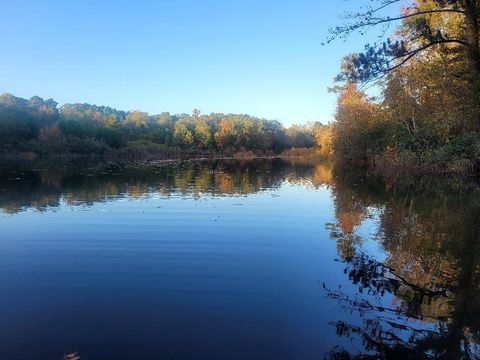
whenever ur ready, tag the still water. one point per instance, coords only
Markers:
(263, 259)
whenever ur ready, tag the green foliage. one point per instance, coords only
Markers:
(37, 125)
(204, 134)
(51, 140)
(110, 137)
(146, 146)
(466, 146)
(182, 136)
(84, 146)
(21, 120)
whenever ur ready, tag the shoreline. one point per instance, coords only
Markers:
(157, 158)
(386, 167)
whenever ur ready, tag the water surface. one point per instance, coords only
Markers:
(264, 259)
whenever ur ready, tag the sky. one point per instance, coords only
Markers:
(259, 57)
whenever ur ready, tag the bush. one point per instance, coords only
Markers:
(147, 146)
(51, 140)
(465, 146)
(85, 146)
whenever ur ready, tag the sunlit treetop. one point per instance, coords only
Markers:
(425, 24)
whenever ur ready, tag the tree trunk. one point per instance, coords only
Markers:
(473, 54)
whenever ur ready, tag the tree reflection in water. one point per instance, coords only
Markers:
(422, 300)
(43, 185)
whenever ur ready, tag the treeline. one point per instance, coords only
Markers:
(426, 114)
(40, 126)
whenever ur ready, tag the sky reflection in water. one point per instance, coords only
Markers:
(233, 260)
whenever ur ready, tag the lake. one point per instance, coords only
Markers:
(226, 259)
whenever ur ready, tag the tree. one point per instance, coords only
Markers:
(203, 134)
(21, 120)
(324, 138)
(300, 136)
(421, 101)
(424, 34)
(196, 113)
(182, 136)
(137, 118)
(28, 125)
(51, 139)
(422, 31)
(356, 130)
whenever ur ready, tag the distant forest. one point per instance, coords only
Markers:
(40, 126)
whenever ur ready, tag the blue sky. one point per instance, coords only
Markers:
(260, 57)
